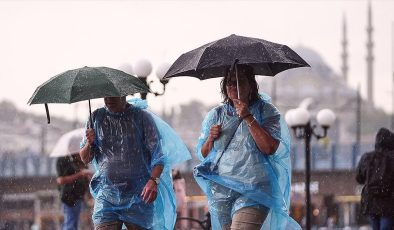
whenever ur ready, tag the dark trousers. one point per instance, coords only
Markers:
(71, 215)
(381, 222)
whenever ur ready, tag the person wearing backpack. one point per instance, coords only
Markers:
(376, 171)
(73, 182)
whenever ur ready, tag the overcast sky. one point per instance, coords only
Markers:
(40, 39)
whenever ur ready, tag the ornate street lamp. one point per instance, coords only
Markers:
(143, 68)
(299, 120)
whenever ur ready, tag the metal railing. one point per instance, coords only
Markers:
(324, 157)
(26, 165)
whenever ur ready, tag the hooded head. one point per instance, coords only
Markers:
(384, 140)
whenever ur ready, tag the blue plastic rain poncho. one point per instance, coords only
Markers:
(236, 174)
(127, 147)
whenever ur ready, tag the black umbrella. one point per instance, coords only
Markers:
(84, 84)
(215, 58)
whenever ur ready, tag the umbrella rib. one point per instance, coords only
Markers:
(109, 79)
(269, 67)
(203, 51)
(72, 87)
(259, 41)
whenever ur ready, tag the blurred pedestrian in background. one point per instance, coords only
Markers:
(376, 171)
(180, 191)
(73, 180)
(180, 195)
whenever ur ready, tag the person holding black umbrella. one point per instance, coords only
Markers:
(132, 185)
(244, 144)
(244, 148)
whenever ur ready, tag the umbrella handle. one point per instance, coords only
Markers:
(234, 66)
(90, 115)
(236, 77)
(47, 111)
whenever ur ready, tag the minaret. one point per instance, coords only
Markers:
(344, 54)
(369, 57)
(392, 69)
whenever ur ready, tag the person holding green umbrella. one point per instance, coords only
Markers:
(133, 152)
(131, 149)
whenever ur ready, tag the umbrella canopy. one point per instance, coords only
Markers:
(86, 83)
(68, 143)
(215, 58)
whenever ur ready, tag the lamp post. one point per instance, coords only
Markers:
(143, 68)
(299, 120)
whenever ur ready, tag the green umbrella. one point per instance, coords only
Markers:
(84, 84)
